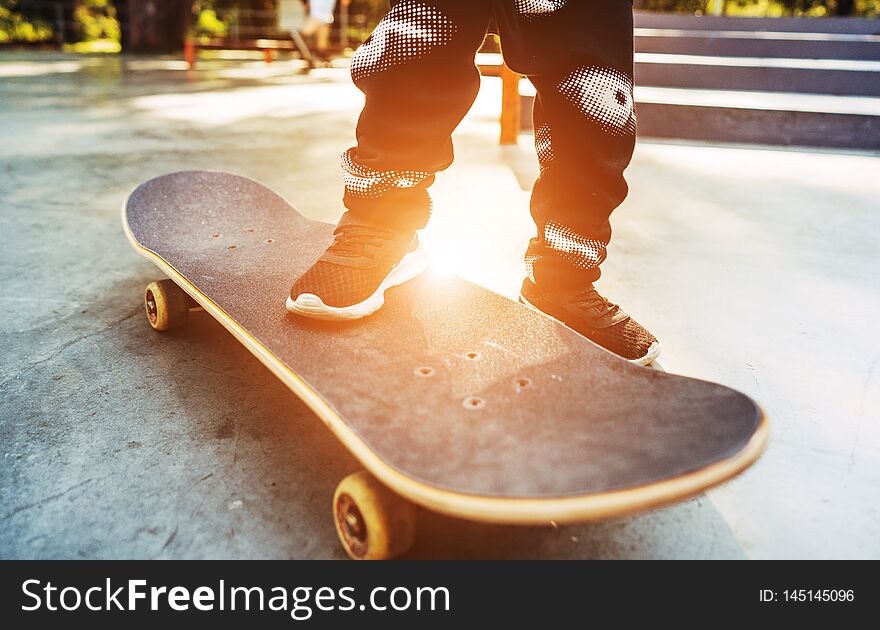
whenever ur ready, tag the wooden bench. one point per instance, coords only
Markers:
(191, 47)
(492, 65)
(259, 30)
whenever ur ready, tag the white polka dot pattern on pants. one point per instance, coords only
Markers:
(530, 260)
(544, 146)
(366, 183)
(603, 94)
(534, 8)
(583, 252)
(410, 30)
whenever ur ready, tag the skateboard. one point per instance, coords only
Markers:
(453, 398)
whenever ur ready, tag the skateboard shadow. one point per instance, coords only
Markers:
(693, 530)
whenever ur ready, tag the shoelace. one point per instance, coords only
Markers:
(591, 299)
(352, 240)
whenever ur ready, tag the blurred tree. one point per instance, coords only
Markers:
(96, 19)
(676, 6)
(154, 26)
(16, 27)
(363, 17)
(369, 12)
(767, 7)
(215, 18)
(207, 24)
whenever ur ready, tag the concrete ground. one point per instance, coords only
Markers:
(756, 268)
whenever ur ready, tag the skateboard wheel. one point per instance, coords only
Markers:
(372, 522)
(167, 305)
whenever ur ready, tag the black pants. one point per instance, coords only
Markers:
(418, 74)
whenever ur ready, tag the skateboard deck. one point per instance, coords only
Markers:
(457, 399)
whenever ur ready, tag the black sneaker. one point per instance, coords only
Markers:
(350, 279)
(597, 319)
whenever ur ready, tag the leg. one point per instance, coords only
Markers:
(322, 12)
(322, 40)
(302, 47)
(579, 56)
(418, 74)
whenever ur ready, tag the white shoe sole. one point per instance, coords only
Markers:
(310, 305)
(650, 356)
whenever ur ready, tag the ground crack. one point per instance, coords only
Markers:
(66, 345)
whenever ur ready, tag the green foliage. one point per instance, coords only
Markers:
(371, 10)
(675, 6)
(97, 20)
(14, 27)
(207, 24)
(768, 8)
(219, 18)
(364, 15)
